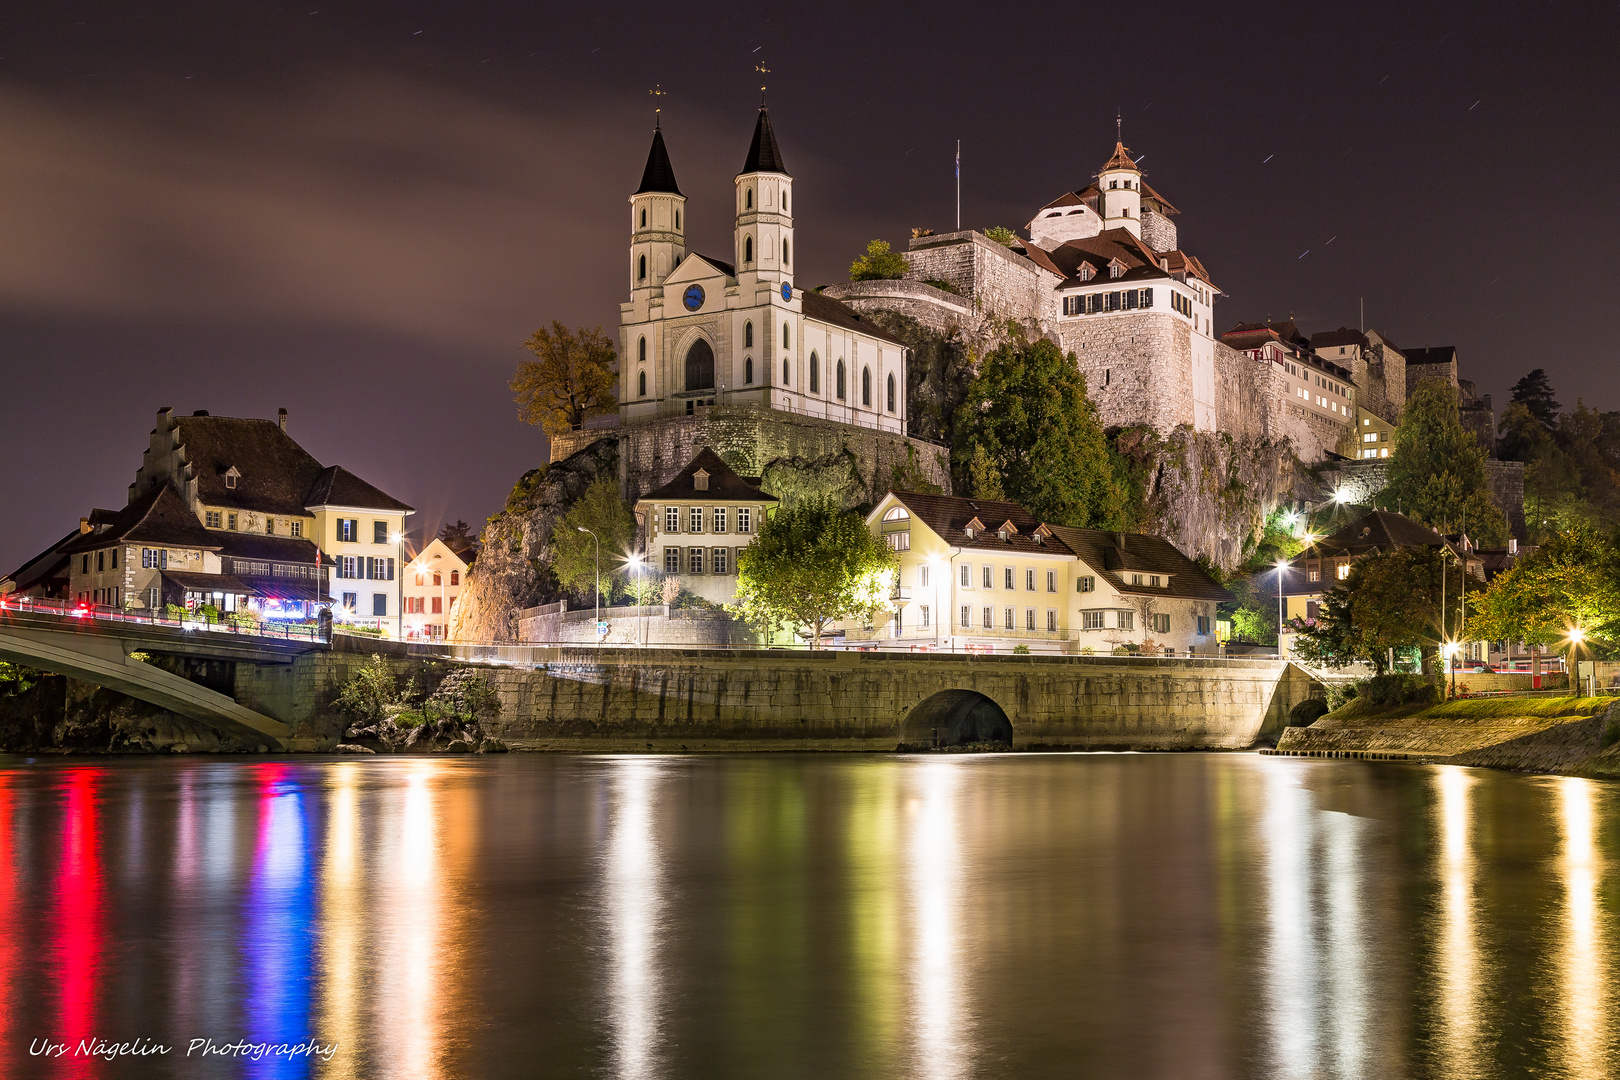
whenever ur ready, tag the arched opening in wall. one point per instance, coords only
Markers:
(840, 379)
(866, 387)
(748, 199)
(641, 350)
(748, 250)
(784, 371)
(891, 393)
(700, 366)
(815, 374)
(955, 718)
(748, 335)
(748, 371)
(641, 270)
(643, 217)
(785, 259)
(641, 384)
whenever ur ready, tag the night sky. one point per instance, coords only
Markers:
(359, 211)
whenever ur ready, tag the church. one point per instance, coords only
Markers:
(701, 331)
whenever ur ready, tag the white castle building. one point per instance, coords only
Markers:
(700, 331)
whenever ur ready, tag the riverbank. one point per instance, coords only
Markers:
(1571, 736)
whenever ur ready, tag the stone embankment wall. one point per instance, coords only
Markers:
(657, 624)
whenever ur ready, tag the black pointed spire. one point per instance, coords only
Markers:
(763, 153)
(659, 175)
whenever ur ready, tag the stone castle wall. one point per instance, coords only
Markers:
(934, 309)
(1002, 283)
(1138, 368)
(852, 464)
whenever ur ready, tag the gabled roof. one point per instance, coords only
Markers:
(1164, 203)
(1115, 556)
(48, 564)
(659, 175)
(160, 516)
(337, 486)
(680, 273)
(725, 485)
(275, 470)
(763, 153)
(1376, 530)
(837, 313)
(1334, 338)
(1438, 354)
(1098, 251)
(949, 516)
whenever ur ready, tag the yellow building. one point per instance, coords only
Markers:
(1372, 437)
(983, 576)
(697, 524)
(429, 586)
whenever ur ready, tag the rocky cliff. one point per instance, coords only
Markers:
(513, 570)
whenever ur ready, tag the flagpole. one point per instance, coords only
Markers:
(958, 185)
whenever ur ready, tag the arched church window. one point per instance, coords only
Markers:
(641, 384)
(700, 366)
(787, 340)
(641, 269)
(748, 371)
(815, 374)
(784, 371)
(748, 199)
(840, 379)
(641, 350)
(643, 217)
(677, 219)
(891, 393)
(784, 252)
(866, 387)
(784, 200)
(748, 335)
(748, 250)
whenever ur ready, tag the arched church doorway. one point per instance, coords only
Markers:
(700, 366)
(955, 718)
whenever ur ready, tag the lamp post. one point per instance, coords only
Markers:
(596, 629)
(1282, 565)
(1576, 636)
(637, 563)
(399, 587)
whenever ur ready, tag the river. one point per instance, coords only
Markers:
(939, 916)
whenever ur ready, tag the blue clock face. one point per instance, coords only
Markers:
(693, 297)
(787, 291)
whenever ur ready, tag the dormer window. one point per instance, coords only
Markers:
(897, 513)
(1115, 270)
(231, 477)
(700, 480)
(1001, 534)
(1087, 273)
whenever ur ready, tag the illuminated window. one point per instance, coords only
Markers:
(1344, 571)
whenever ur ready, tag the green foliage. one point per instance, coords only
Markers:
(1255, 624)
(1276, 541)
(1572, 466)
(574, 553)
(466, 693)
(1020, 649)
(984, 479)
(1391, 689)
(1572, 580)
(1535, 393)
(370, 692)
(1001, 235)
(1437, 471)
(1029, 415)
(810, 565)
(909, 477)
(1254, 612)
(16, 679)
(1389, 600)
(571, 378)
(943, 286)
(878, 264)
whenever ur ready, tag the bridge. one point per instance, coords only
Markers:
(106, 648)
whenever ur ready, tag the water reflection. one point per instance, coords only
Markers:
(631, 909)
(76, 929)
(10, 935)
(941, 1026)
(1457, 962)
(1291, 969)
(343, 920)
(278, 921)
(410, 1008)
(1582, 966)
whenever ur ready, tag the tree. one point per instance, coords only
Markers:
(574, 553)
(984, 479)
(1028, 414)
(878, 264)
(1389, 600)
(1534, 391)
(1437, 472)
(1572, 580)
(1001, 235)
(572, 378)
(458, 538)
(810, 565)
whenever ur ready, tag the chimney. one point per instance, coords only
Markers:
(84, 525)
(281, 419)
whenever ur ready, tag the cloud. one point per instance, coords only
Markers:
(369, 201)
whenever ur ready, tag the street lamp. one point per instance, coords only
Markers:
(1576, 636)
(637, 563)
(1282, 565)
(598, 627)
(1450, 650)
(399, 586)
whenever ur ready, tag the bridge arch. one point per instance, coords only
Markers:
(955, 718)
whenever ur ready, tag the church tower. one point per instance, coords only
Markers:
(657, 222)
(764, 232)
(1120, 184)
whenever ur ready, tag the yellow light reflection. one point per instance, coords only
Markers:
(1457, 947)
(1584, 989)
(414, 1003)
(343, 925)
(941, 1025)
(1293, 988)
(632, 909)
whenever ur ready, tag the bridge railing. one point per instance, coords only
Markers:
(72, 613)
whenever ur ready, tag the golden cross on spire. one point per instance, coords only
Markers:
(657, 92)
(1119, 126)
(763, 70)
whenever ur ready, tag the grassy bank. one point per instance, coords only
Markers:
(1574, 735)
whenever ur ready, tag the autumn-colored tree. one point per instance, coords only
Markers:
(571, 378)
